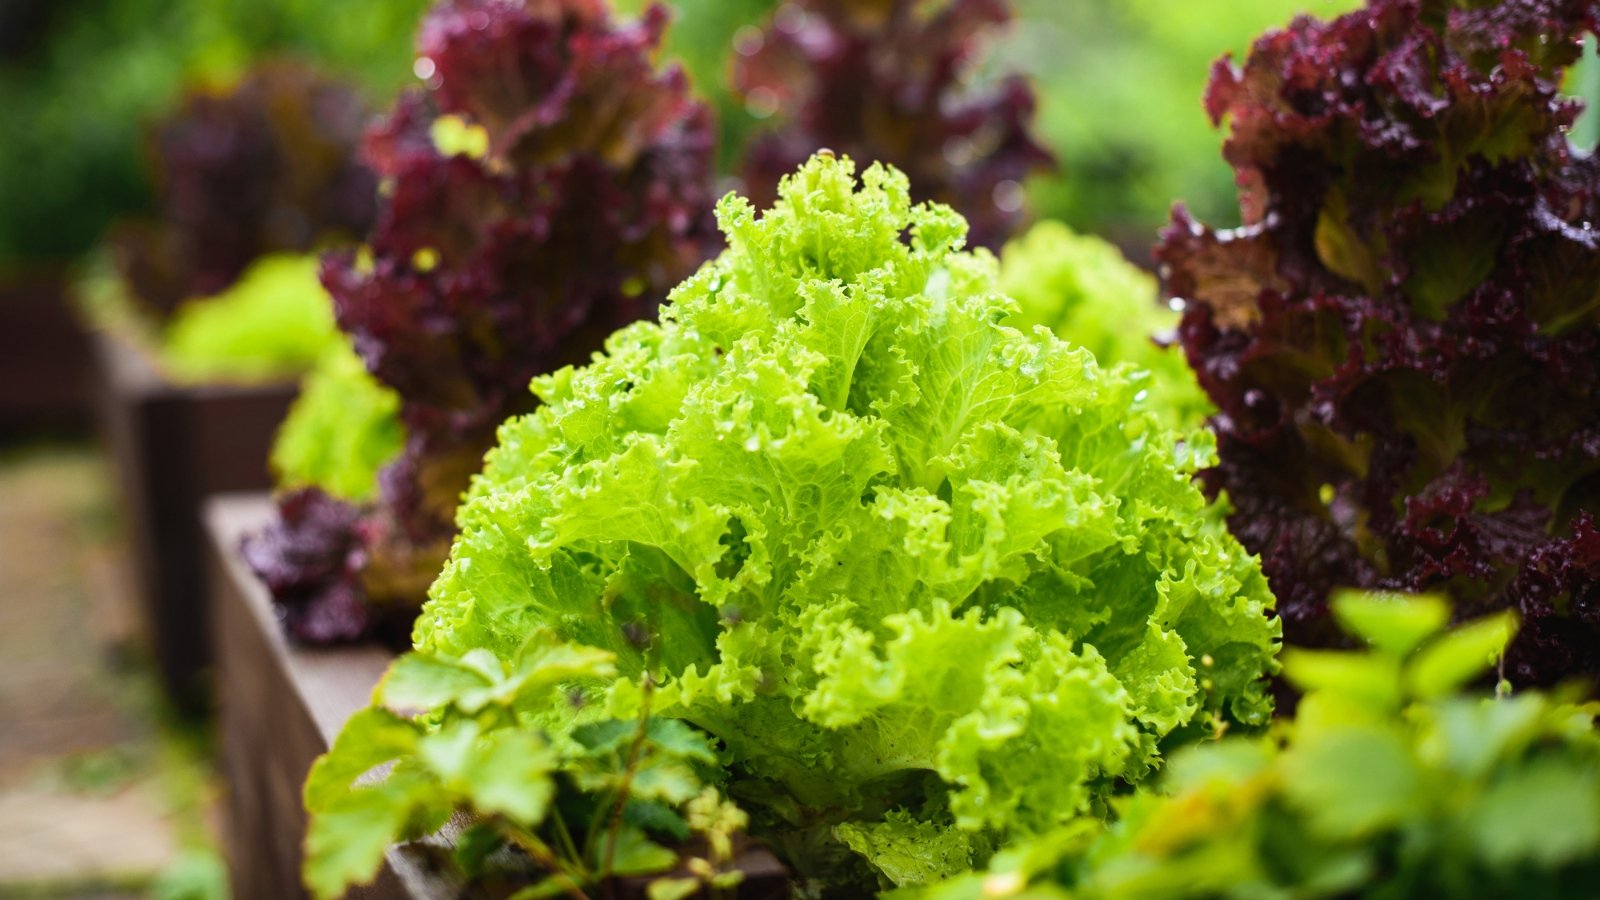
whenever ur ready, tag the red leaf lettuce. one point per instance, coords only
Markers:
(1403, 339)
(549, 185)
(271, 166)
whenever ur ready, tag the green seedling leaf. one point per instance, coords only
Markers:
(510, 774)
(634, 854)
(1369, 677)
(371, 738)
(426, 681)
(1352, 782)
(672, 888)
(1462, 655)
(347, 839)
(1393, 623)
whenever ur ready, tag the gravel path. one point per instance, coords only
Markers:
(102, 792)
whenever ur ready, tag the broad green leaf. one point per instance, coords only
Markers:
(1460, 655)
(511, 774)
(675, 739)
(1394, 623)
(275, 321)
(907, 851)
(1352, 782)
(346, 840)
(448, 751)
(665, 780)
(673, 888)
(1365, 678)
(371, 738)
(425, 681)
(1473, 736)
(1545, 814)
(633, 854)
(341, 430)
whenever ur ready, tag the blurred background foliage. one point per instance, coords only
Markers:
(81, 82)
(1119, 85)
(703, 37)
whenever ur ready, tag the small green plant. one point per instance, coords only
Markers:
(608, 799)
(1394, 779)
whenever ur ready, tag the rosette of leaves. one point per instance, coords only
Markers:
(890, 81)
(931, 582)
(269, 166)
(546, 186)
(1403, 340)
(1391, 781)
(274, 322)
(1084, 290)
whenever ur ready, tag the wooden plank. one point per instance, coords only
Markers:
(173, 445)
(280, 708)
(45, 359)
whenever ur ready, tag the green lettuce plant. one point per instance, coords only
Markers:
(1394, 779)
(928, 581)
(276, 321)
(1084, 289)
(343, 428)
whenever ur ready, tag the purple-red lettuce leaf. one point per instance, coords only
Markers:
(547, 185)
(270, 166)
(1403, 339)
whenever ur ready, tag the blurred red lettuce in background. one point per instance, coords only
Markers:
(1403, 339)
(888, 81)
(549, 185)
(270, 166)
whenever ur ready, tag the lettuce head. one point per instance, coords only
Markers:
(931, 581)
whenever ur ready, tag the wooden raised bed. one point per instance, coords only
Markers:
(173, 445)
(280, 707)
(44, 358)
